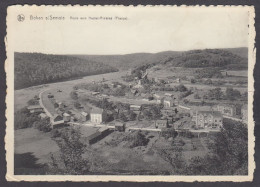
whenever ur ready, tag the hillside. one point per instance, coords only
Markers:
(124, 62)
(242, 51)
(177, 58)
(206, 58)
(34, 68)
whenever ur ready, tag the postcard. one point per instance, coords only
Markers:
(130, 93)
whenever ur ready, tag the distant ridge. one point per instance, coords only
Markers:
(133, 60)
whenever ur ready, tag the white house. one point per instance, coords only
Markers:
(97, 115)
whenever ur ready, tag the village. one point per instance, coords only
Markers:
(131, 107)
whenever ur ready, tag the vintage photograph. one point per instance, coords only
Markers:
(133, 93)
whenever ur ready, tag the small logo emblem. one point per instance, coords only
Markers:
(20, 17)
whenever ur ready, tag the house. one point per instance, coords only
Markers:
(244, 112)
(162, 123)
(135, 107)
(139, 84)
(94, 93)
(208, 119)
(97, 115)
(228, 110)
(158, 98)
(194, 109)
(134, 91)
(168, 112)
(168, 94)
(57, 121)
(168, 102)
(75, 116)
(119, 127)
(60, 104)
(35, 108)
(177, 80)
(66, 117)
(84, 116)
(43, 115)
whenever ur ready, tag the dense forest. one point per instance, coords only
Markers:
(34, 68)
(207, 58)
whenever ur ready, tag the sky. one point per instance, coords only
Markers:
(153, 29)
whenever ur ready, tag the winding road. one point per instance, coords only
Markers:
(42, 105)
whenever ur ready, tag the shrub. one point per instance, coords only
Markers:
(56, 105)
(24, 119)
(137, 139)
(33, 102)
(196, 96)
(43, 125)
(55, 133)
(77, 105)
(181, 88)
(168, 133)
(74, 95)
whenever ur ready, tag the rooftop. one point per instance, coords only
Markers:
(66, 114)
(43, 115)
(57, 122)
(97, 111)
(94, 135)
(168, 99)
(84, 113)
(201, 108)
(33, 107)
(226, 105)
(102, 129)
(214, 113)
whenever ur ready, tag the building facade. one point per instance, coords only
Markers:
(35, 109)
(208, 119)
(97, 115)
(228, 110)
(162, 123)
(168, 102)
(66, 117)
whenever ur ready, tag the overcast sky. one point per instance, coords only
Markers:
(145, 30)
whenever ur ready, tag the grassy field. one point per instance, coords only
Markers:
(33, 141)
(243, 73)
(118, 158)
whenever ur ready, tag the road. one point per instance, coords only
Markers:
(42, 105)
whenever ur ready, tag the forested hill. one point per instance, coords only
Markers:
(35, 68)
(127, 61)
(180, 58)
(207, 58)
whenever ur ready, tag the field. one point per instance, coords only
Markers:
(33, 141)
(238, 73)
(121, 159)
